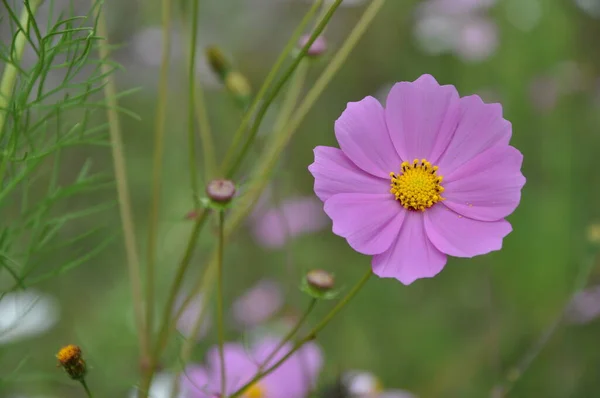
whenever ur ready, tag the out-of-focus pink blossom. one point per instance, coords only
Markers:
(585, 306)
(478, 39)
(189, 317)
(258, 304)
(273, 226)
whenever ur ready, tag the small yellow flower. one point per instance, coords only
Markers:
(70, 358)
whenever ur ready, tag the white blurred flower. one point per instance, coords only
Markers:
(143, 56)
(591, 7)
(258, 304)
(26, 314)
(459, 27)
(161, 387)
(363, 384)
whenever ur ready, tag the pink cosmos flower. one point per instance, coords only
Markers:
(295, 378)
(452, 173)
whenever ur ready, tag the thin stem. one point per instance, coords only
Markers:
(127, 224)
(278, 86)
(287, 50)
(9, 77)
(246, 202)
(166, 324)
(161, 110)
(514, 373)
(196, 94)
(220, 324)
(310, 336)
(290, 335)
(192, 103)
(86, 388)
(280, 141)
(291, 98)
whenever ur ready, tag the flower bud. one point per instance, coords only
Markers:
(593, 234)
(237, 84)
(217, 61)
(220, 191)
(70, 359)
(318, 47)
(320, 280)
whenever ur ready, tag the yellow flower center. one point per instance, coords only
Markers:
(69, 353)
(418, 187)
(255, 391)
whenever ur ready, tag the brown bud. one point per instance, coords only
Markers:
(320, 280)
(220, 191)
(217, 60)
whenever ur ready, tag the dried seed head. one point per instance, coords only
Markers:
(70, 359)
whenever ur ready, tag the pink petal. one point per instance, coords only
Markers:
(370, 223)
(487, 188)
(334, 173)
(258, 304)
(195, 382)
(480, 127)
(364, 138)
(412, 256)
(421, 118)
(460, 236)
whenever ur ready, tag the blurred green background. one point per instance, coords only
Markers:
(455, 335)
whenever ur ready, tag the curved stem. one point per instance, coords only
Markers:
(220, 325)
(273, 94)
(310, 336)
(120, 170)
(86, 388)
(290, 335)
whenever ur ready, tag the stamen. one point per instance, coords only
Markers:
(418, 187)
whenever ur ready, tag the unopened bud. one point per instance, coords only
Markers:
(320, 280)
(237, 84)
(318, 47)
(70, 359)
(593, 234)
(217, 61)
(220, 191)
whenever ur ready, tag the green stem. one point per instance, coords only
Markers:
(86, 388)
(166, 326)
(9, 77)
(278, 86)
(161, 111)
(191, 103)
(290, 335)
(120, 170)
(515, 372)
(310, 336)
(280, 141)
(196, 95)
(220, 323)
(205, 283)
(287, 50)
